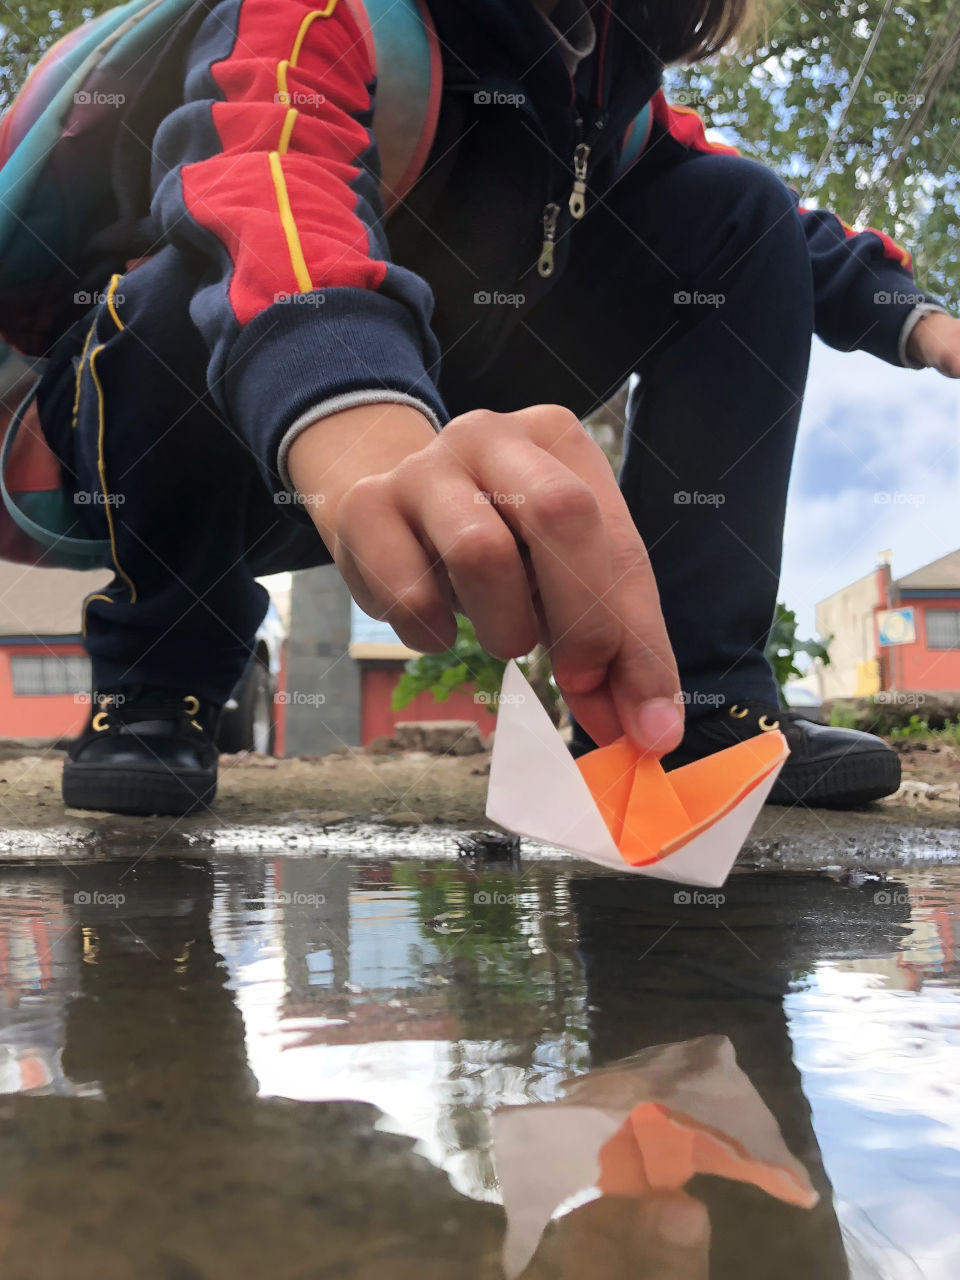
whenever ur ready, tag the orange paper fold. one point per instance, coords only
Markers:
(651, 813)
(660, 1149)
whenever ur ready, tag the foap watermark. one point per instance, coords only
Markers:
(893, 98)
(93, 298)
(296, 898)
(694, 298)
(898, 898)
(697, 898)
(95, 498)
(99, 699)
(684, 498)
(897, 298)
(96, 898)
(497, 98)
(485, 298)
(299, 98)
(483, 699)
(696, 98)
(698, 699)
(497, 499)
(898, 498)
(288, 499)
(898, 698)
(312, 299)
(495, 898)
(299, 698)
(97, 98)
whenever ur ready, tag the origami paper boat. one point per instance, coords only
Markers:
(643, 1127)
(620, 809)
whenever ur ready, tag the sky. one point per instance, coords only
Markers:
(877, 468)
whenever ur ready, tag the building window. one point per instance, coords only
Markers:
(943, 628)
(50, 674)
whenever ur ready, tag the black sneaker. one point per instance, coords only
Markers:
(828, 768)
(144, 751)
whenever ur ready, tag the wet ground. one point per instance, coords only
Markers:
(303, 1067)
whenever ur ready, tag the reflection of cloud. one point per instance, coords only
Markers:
(868, 429)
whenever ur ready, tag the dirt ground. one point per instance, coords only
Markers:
(408, 787)
(263, 800)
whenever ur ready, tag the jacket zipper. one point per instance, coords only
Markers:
(545, 262)
(577, 203)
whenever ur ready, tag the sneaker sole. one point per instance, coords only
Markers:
(845, 783)
(141, 792)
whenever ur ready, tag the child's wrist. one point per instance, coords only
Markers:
(332, 454)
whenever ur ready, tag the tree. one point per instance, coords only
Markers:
(885, 156)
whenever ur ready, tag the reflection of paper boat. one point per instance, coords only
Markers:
(622, 810)
(645, 1126)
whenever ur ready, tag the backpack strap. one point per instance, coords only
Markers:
(70, 552)
(405, 52)
(635, 139)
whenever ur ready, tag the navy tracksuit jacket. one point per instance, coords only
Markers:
(273, 290)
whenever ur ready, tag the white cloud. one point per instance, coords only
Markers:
(878, 466)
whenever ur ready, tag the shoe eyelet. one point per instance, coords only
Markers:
(192, 704)
(99, 722)
(736, 713)
(766, 726)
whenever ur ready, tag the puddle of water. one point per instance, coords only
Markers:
(321, 1067)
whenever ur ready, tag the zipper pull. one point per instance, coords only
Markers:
(550, 215)
(578, 196)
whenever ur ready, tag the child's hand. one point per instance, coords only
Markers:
(935, 343)
(515, 519)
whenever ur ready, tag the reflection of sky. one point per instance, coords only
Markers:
(881, 1070)
(435, 1090)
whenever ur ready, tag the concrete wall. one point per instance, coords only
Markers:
(847, 615)
(323, 682)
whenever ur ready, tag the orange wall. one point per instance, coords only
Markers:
(914, 666)
(378, 719)
(41, 715)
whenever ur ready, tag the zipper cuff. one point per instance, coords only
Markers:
(337, 404)
(919, 312)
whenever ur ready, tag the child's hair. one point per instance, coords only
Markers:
(687, 30)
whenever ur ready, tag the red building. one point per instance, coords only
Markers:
(929, 599)
(894, 633)
(44, 673)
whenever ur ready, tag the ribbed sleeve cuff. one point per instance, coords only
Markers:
(301, 360)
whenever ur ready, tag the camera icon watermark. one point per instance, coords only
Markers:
(496, 98)
(311, 299)
(891, 98)
(96, 98)
(287, 499)
(296, 898)
(495, 898)
(694, 298)
(298, 98)
(698, 699)
(684, 498)
(496, 499)
(298, 698)
(495, 298)
(95, 898)
(697, 898)
(95, 498)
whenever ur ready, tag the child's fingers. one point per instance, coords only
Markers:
(388, 571)
(558, 518)
(480, 556)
